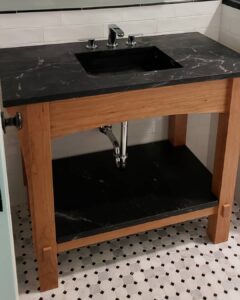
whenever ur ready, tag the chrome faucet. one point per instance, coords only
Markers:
(114, 32)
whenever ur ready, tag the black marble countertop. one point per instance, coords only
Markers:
(232, 3)
(52, 72)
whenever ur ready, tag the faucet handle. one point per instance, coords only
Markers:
(132, 39)
(91, 44)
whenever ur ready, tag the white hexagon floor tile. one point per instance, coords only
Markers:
(176, 263)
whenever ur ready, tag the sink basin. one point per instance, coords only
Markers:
(126, 60)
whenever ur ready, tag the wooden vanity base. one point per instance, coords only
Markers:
(44, 121)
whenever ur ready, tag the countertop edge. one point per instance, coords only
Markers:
(12, 103)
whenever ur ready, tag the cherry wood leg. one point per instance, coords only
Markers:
(226, 165)
(35, 142)
(177, 129)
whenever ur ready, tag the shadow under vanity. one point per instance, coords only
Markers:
(62, 89)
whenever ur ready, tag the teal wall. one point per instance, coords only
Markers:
(8, 283)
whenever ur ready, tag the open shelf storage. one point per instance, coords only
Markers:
(92, 196)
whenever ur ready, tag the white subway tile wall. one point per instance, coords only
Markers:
(229, 28)
(57, 27)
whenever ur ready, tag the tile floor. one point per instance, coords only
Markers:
(175, 263)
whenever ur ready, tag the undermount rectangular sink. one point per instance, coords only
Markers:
(126, 60)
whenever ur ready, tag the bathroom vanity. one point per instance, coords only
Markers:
(58, 90)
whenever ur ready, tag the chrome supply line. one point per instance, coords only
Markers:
(120, 150)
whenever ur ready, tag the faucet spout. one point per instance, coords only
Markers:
(114, 32)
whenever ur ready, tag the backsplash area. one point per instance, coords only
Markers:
(57, 27)
(229, 29)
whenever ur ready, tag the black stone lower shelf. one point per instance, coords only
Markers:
(93, 196)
